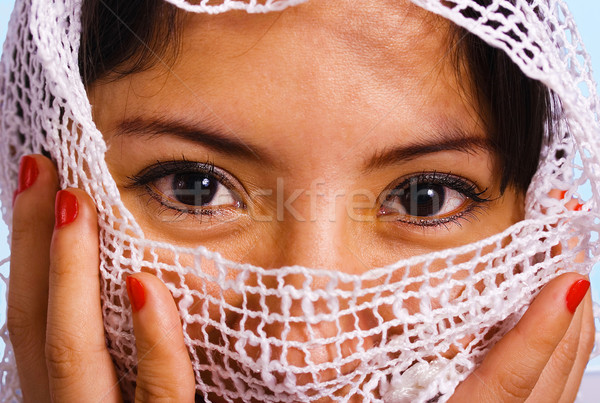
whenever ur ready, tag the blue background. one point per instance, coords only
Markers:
(587, 16)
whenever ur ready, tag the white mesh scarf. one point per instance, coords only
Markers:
(405, 357)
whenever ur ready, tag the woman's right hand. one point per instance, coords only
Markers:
(54, 315)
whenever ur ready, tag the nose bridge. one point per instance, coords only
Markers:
(313, 229)
(317, 244)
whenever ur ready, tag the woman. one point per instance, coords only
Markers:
(322, 136)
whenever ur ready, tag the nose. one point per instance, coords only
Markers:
(317, 244)
(302, 328)
(314, 231)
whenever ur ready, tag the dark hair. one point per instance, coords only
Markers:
(122, 37)
(518, 108)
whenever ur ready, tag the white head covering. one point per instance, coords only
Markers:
(44, 107)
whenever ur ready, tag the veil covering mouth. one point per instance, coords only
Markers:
(407, 332)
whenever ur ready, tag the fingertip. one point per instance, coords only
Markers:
(74, 205)
(141, 285)
(83, 198)
(66, 209)
(574, 205)
(33, 200)
(560, 297)
(35, 172)
(74, 248)
(136, 293)
(549, 316)
(557, 194)
(577, 291)
(150, 302)
(164, 366)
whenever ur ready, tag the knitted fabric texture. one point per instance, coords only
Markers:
(404, 356)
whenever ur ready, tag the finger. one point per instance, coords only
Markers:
(571, 205)
(33, 221)
(513, 367)
(164, 367)
(585, 346)
(555, 375)
(79, 366)
(557, 194)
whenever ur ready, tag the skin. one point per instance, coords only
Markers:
(339, 91)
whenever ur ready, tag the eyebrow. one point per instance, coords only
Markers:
(214, 138)
(444, 138)
(451, 140)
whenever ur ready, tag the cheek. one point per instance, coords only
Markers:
(344, 244)
(508, 210)
(384, 243)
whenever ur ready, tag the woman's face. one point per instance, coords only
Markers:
(324, 136)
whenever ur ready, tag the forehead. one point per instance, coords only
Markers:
(323, 71)
(397, 29)
(386, 43)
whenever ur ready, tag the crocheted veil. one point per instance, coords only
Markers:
(403, 358)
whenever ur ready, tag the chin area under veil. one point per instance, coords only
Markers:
(379, 346)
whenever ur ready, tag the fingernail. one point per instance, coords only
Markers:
(576, 293)
(562, 194)
(136, 292)
(578, 207)
(66, 208)
(28, 173)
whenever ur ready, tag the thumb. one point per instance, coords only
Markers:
(164, 368)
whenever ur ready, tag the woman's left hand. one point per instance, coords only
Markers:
(543, 358)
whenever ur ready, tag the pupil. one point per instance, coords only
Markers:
(423, 200)
(194, 189)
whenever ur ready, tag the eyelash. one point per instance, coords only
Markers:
(456, 183)
(162, 169)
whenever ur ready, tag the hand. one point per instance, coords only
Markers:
(543, 358)
(54, 314)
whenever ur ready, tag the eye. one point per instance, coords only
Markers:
(190, 187)
(196, 189)
(423, 200)
(430, 199)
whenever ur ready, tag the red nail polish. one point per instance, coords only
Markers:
(28, 173)
(66, 208)
(562, 194)
(136, 292)
(578, 207)
(576, 293)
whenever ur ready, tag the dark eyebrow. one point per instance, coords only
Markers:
(207, 136)
(454, 140)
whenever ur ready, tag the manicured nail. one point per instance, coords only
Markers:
(576, 293)
(578, 207)
(136, 292)
(66, 208)
(562, 194)
(28, 173)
